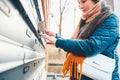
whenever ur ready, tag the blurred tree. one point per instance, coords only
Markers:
(61, 11)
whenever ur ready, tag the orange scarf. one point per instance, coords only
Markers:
(72, 61)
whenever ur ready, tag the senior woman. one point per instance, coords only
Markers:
(97, 33)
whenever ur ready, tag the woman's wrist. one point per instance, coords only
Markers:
(57, 36)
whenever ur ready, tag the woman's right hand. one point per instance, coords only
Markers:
(50, 33)
(49, 36)
(49, 39)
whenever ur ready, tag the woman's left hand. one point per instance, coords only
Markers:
(49, 39)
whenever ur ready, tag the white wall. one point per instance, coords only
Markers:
(71, 17)
(117, 11)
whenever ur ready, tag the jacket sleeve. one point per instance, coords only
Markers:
(57, 36)
(102, 38)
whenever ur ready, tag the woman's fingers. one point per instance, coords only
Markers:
(48, 42)
(44, 36)
(50, 33)
(49, 39)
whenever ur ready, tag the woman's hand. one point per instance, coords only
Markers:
(50, 33)
(49, 37)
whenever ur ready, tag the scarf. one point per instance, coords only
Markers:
(93, 18)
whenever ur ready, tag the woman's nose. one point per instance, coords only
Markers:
(81, 6)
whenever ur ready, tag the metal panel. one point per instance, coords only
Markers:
(30, 8)
(15, 28)
(29, 71)
(40, 9)
(32, 55)
(23, 9)
(22, 54)
(11, 56)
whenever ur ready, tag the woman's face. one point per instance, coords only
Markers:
(85, 5)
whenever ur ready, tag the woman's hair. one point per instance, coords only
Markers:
(95, 1)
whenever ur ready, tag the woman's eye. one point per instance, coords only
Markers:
(83, 1)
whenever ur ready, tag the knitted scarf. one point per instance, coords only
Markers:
(93, 18)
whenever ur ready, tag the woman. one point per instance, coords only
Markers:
(96, 33)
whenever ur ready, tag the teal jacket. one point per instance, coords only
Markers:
(104, 40)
